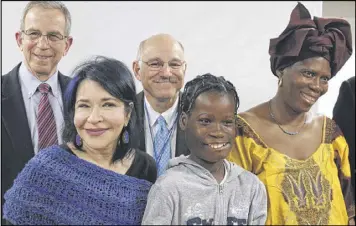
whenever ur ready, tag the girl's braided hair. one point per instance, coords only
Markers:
(204, 83)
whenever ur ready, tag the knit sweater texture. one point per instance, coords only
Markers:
(56, 188)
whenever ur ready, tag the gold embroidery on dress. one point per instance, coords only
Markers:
(307, 192)
(243, 129)
(332, 131)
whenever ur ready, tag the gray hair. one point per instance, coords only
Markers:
(49, 5)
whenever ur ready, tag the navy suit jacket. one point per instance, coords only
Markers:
(16, 148)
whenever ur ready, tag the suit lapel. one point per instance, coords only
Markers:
(141, 121)
(63, 82)
(181, 148)
(14, 116)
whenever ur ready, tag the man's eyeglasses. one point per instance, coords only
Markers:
(51, 36)
(157, 65)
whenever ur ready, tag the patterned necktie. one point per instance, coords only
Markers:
(162, 146)
(47, 133)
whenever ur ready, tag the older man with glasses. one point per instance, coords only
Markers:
(160, 67)
(32, 92)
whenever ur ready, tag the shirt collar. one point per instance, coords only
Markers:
(169, 115)
(31, 82)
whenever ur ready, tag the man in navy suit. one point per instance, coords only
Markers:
(43, 39)
(160, 67)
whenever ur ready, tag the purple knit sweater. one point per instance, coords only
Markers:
(56, 187)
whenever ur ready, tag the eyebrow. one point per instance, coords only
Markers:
(102, 99)
(314, 71)
(208, 114)
(53, 31)
(159, 59)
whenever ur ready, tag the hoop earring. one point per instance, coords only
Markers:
(125, 137)
(78, 140)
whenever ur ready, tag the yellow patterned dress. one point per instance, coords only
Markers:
(315, 191)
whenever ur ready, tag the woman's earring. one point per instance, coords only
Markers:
(78, 140)
(125, 137)
(280, 82)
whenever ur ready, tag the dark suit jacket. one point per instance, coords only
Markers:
(16, 148)
(344, 116)
(181, 147)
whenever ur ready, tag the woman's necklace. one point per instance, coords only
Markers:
(284, 131)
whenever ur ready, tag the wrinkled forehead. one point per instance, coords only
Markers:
(39, 18)
(317, 64)
(165, 50)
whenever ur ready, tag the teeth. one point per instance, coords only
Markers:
(42, 57)
(309, 98)
(217, 146)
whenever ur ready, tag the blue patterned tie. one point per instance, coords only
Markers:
(162, 146)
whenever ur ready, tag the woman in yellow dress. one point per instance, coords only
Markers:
(301, 159)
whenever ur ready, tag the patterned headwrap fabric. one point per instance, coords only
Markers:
(305, 38)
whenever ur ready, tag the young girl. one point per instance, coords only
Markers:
(204, 188)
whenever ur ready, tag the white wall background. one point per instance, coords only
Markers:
(227, 39)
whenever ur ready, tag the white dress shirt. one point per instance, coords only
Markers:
(170, 116)
(29, 84)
